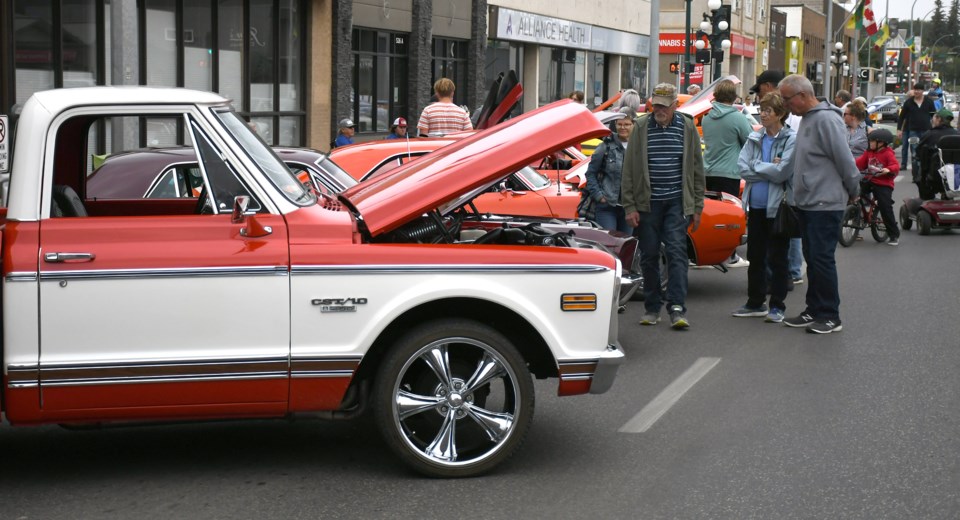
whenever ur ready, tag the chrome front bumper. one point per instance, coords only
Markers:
(606, 371)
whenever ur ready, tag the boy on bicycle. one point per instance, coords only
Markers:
(880, 168)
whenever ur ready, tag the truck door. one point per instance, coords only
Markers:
(161, 307)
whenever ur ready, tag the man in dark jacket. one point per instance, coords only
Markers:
(914, 121)
(929, 182)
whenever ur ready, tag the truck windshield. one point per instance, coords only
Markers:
(275, 170)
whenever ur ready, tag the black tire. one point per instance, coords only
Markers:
(905, 221)
(464, 422)
(850, 227)
(924, 222)
(879, 230)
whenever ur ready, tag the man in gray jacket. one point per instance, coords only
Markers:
(825, 180)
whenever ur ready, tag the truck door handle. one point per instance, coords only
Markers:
(68, 257)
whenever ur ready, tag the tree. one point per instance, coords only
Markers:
(953, 25)
(938, 23)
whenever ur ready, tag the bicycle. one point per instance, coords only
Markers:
(859, 215)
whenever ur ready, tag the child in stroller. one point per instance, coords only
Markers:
(880, 167)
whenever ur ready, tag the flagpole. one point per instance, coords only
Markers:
(883, 49)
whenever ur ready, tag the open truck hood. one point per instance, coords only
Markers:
(455, 174)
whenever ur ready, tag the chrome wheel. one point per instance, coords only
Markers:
(454, 399)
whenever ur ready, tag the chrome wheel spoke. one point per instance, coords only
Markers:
(495, 424)
(410, 404)
(488, 368)
(444, 445)
(438, 359)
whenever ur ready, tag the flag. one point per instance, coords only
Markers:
(909, 42)
(863, 18)
(868, 21)
(882, 36)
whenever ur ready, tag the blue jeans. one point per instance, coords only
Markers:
(912, 148)
(795, 258)
(666, 224)
(821, 233)
(612, 217)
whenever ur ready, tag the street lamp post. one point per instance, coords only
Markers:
(839, 59)
(910, 63)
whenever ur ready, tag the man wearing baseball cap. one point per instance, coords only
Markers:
(662, 189)
(345, 134)
(398, 130)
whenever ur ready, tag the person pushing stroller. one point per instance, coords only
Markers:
(880, 168)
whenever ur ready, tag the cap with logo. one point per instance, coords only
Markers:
(398, 122)
(347, 123)
(767, 76)
(664, 94)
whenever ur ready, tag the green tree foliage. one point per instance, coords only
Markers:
(953, 25)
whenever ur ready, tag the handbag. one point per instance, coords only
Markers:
(786, 224)
(587, 208)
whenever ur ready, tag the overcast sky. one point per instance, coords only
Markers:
(901, 8)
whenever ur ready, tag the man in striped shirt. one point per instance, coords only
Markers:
(662, 192)
(443, 117)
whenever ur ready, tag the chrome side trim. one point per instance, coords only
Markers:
(79, 374)
(21, 277)
(461, 268)
(192, 272)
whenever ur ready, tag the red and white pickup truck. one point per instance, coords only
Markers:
(259, 300)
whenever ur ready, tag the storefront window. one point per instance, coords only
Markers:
(503, 56)
(379, 79)
(596, 79)
(559, 74)
(230, 50)
(161, 37)
(450, 61)
(198, 45)
(79, 43)
(34, 47)
(633, 74)
(261, 56)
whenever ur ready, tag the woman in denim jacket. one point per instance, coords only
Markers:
(766, 164)
(603, 176)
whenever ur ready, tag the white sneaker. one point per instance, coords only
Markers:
(737, 261)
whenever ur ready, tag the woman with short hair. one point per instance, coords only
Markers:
(766, 164)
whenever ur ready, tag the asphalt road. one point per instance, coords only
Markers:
(778, 423)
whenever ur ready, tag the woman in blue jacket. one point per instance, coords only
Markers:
(604, 174)
(766, 164)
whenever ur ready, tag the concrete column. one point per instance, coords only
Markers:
(318, 103)
(341, 63)
(420, 47)
(531, 76)
(124, 66)
(477, 49)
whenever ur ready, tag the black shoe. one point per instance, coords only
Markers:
(824, 327)
(802, 320)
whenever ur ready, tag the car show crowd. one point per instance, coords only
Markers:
(798, 174)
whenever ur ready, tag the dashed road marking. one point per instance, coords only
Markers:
(646, 418)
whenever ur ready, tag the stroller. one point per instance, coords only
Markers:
(941, 179)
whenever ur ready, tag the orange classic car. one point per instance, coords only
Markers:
(541, 192)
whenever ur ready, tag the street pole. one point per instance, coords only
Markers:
(828, 49)
(686, 48)
(909, 84)
(654, 61)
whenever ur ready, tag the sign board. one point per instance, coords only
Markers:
(4, 146)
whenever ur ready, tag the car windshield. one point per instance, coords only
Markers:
(268, 162)
(335, 173)
(534, 178)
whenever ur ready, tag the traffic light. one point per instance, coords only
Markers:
(674, 67)
(720, 20)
